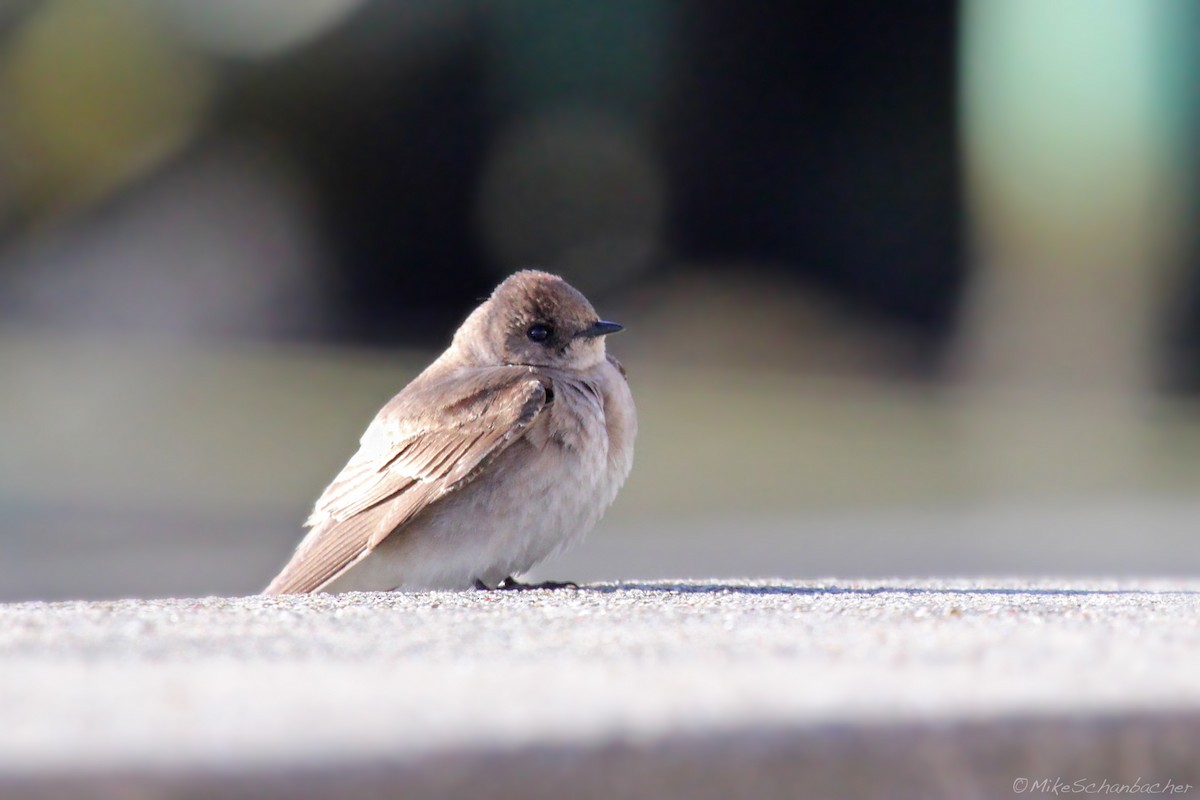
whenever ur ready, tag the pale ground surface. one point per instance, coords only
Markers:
(701, 689)
(167, 470)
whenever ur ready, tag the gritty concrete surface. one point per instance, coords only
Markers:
(759, 689)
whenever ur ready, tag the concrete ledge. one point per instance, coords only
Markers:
(763, 689)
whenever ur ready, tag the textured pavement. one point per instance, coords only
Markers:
(758, 689)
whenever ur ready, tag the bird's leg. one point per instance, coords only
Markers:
(512, 583)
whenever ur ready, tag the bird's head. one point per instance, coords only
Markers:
(537, 319)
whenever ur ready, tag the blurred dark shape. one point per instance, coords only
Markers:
(577, 189)
(392, 138)
(808, 138)
(546, 53)
(1178, 370)
(821, 138)
(815, 140)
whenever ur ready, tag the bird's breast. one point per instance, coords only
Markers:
(594, 422)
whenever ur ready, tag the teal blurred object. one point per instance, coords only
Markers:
(1079, 123)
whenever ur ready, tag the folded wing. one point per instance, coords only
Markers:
(432, 438)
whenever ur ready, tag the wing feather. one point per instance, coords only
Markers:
(416, 451)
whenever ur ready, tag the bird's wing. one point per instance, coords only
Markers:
(620, 369)
(428, 441)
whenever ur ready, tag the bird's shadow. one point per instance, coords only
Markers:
(745, 588)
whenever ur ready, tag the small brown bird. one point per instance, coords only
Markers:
(505, 450)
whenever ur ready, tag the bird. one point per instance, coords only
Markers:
(503, 452)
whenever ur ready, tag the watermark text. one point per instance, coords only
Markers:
(1103, 786)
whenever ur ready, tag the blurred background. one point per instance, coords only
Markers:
(908, 291)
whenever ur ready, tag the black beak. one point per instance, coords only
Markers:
(601, 328)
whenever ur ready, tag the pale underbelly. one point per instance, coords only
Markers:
(523, 510)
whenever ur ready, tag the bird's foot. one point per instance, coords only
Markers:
(511, 583)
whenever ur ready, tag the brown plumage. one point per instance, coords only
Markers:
(508, 447)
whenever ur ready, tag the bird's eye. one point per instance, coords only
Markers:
(538, 333)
